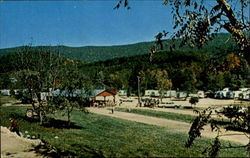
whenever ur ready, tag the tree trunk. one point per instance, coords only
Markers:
(68, 118)
(40, 117)
(234, 28)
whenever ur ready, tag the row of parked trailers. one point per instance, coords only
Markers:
(226, 93)
(172, 94)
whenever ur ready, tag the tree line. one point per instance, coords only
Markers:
(186, 71)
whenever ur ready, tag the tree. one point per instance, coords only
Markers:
(119, 80)
(73, 87)
(101, 79)
(230, 62)
(193, 100)
(158, 39)
(34, 72)
(185, 79)
(215, 81)
(5, 81)
(133, 79)
(163, 82)
(195, 21)
(239, 120)
(32, 75)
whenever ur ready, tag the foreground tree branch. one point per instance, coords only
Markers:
(195, 23)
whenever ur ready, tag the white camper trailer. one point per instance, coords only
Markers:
(225, 93)
(5, 92)
(170, 93)
(201, 94)
(152, 93)
(122, 93)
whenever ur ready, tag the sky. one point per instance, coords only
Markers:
(81, 23)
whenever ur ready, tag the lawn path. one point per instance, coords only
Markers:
(175, 126)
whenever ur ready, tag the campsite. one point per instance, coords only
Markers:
(127, 78)
(100, 133)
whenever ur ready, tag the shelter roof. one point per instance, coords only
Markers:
(108, 93)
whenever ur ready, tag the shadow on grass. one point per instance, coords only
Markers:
(231, 126)
(48, 123)
(49, 151)
(60, 124)
(237, 128)
(176, 107)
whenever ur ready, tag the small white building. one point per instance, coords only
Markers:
(218, 95)
(181, 94)
(201, 94)
(245, 95)
(122, 93)
(225, 93)
(5, 92)
(244, 89)
(152, 93)
(170, 93)
(44, 95)
(237, 94)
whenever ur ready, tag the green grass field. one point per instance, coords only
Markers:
(160, 114)
(96, 135)
(6, 99)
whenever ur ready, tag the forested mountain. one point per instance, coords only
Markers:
(181, 70)
(212, 68)
(221, 43)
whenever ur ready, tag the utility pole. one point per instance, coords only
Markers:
(139, 97)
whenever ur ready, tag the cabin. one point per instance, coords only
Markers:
(225, 93)
(122, 93)
(245, 95)
(5, 92)
(181, 94)
(170, 94)
(218, 95)
(43, 95)
(106, 97)
(237, 94)
(152, 93)
(201, 94)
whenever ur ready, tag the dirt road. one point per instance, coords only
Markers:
(172, 125)
(17, 147)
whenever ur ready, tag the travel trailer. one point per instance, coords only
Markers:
(226, 93)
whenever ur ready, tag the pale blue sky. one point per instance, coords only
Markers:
(80, 23)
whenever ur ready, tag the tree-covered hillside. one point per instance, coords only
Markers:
(220, 44)
(211, 68)
(183, 70)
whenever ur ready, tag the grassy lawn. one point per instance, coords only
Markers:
(160, 114)
(6, 99)
(96, 135)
